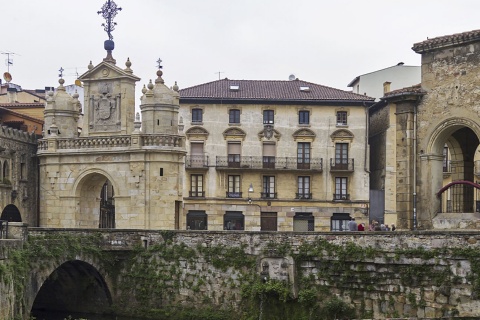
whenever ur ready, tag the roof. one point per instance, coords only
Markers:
(21, 105)
(416, 89)
(269, 90)
(446, 41)
(21, 115)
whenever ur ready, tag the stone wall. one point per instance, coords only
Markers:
(402, 274)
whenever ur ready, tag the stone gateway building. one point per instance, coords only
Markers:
(111, 174)
(424, 139)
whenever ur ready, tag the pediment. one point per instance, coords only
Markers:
(197, 131)
(304, 133)
(342, 134)
(106, 70)
(234, 133)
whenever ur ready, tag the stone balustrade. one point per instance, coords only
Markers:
(124, 141)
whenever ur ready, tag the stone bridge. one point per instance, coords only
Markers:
(163, 274)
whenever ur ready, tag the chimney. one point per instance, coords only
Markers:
(12, 95)
(386, 87)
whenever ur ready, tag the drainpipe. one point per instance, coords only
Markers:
(415, 167)
(367, 128)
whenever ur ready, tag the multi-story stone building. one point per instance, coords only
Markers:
(426, 138)
(274, 155)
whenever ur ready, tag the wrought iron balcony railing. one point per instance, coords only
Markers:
(268, 195)
(341, 196)
(234, 194)
(197, 194)
(346, 165)
(196, 161)
(303, 196)
(277, 163)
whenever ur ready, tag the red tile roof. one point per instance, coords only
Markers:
(17, 105)
(446, 41)
(269, 90)
(413, 90)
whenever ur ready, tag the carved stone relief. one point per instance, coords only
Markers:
(105, 109)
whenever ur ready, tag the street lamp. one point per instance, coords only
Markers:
(250, 190)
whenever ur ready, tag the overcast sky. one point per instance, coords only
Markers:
(325, 42)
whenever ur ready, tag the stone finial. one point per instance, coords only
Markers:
(128, 64)
(159, 77)
(90, 65)
(144, 89)
(61, 82)
(137, 124)
(150, 85)
(137, 117)
(75, 95)
(175, 87)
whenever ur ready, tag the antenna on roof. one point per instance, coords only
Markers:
(8, 61)
(219, 74)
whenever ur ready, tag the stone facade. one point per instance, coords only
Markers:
(436, 138)
(213, 139)
(112, 174)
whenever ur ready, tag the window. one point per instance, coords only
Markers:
(268, 189)
(196, 185)
(446, 161)
(303, 155)
(269, 151)
(341, 118)
(233, 220)
(304, 188)
(268, 117)
(196, 220)
(268, 221)
(341, 189)
(197, 157)
(234, 116)
(303, 221)
(197, 115)
(341, 156)
(304, 117)
(234, 149)
(234, 187)
(6, 172)
(23, 167)
(339, 222)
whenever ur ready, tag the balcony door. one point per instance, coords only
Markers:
(269, 152)
(341, 156)
(197, 156)
(234, 152)
(303, 155)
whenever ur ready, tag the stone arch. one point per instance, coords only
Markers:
(11, 214)
(461, 135)
(71, 287)
(87, 189)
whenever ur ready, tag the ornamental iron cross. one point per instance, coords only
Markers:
(109, 11)
(61, 72)
(159, 62)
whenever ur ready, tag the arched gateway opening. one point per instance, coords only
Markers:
(452, 165)
(75, 288)
(96, 201)
(11, 214)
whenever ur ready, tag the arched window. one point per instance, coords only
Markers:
(6, 172)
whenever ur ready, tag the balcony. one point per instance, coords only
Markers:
(197, 161)
(342, 165)
(302, 196)
(268, 195)
(268, 163)
(341, 196)
(197, 194)
(234, 194)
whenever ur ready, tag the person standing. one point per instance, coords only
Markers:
(352, 225)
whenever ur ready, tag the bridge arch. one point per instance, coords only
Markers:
(11, 214)
(94, 190)
(75, 286)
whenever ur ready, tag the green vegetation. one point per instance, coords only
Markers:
(333, 281)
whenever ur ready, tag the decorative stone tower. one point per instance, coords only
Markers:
(113, 175)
